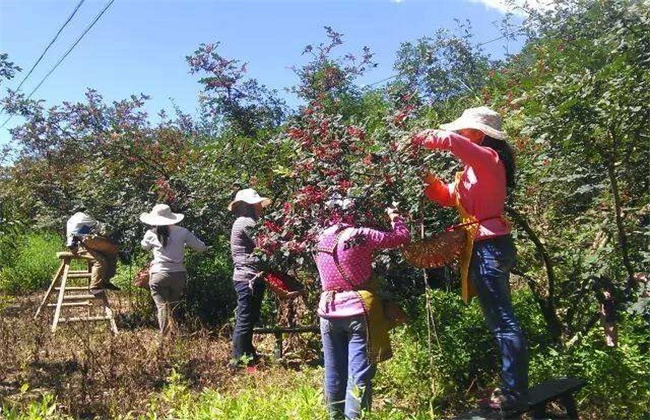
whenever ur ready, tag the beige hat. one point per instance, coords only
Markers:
(249, 196)
(482, 119)
(161, 215)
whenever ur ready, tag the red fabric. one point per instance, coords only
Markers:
(482, 187)
(439, 192)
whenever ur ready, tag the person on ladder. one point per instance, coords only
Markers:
(86, 238)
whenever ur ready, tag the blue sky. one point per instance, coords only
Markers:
(139, 46)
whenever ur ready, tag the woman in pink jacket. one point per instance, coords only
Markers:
(352, 323)
(480, 192)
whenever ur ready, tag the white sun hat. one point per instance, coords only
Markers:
(249, 196)
(482, 119)
(336, 201)
(161, 215)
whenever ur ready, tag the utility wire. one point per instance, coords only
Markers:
(99, 15)
(72, 47)
(399, 74)
(50, 44)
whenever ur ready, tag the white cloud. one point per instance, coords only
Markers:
(506, 6)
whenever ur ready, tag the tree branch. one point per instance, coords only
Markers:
(622, 236)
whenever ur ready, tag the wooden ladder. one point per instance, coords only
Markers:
(77, 298)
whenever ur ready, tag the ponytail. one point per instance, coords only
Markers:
(162, 232)
(506, 155)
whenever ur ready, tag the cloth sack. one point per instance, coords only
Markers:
(141, 278)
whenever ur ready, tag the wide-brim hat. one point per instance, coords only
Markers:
(161, 215)
(336, 201)
(482, 119)
(249, 196)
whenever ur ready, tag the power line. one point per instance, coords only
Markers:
(72, 47)
(88, 28)
(490, 41)
(50, 44)
(399, 74)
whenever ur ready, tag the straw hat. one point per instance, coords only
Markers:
(337, 201)
(161, 215)
(482, 119)
(249, 196)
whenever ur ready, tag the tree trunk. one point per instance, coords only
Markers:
(622, 236)
(547, 305)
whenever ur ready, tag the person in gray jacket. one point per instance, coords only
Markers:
(247, 207)
(167, 274)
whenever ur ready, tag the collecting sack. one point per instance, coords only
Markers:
(100, 244)
(141, 278)
(394, 314)
(283, 285)
(437, 251)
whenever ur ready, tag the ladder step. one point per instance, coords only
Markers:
(80, 297)
(73, 288)
(71, 304)
(78, 275)
(78, 271)
(88, 318)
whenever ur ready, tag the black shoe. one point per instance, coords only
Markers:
(96, 292)
(110, 286)
(124, 257)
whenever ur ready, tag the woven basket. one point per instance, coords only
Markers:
(283, 285)
(436, 251)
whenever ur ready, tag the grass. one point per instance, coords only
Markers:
(33, 265)
(84, 372)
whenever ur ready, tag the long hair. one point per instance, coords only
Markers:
(242, 209)
(162, 232)
(506, 155)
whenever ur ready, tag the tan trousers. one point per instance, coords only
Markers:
(104, 266)
(167, 290)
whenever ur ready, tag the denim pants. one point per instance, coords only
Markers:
(348, 372)
(249, 305)
(492, 260)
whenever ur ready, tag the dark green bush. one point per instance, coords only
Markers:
(463, 357)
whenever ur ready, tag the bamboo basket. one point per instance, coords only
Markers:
(437, 251)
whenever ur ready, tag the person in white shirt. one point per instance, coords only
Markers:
(85, 238)
(167, 274)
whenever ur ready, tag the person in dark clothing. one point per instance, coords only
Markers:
(249, 286)
(608, 316)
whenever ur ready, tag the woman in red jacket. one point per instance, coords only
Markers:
(479, 192)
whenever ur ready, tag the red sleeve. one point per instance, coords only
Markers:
(441, 193)
(478, 157)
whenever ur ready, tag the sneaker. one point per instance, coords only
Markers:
(110, 286)
(485, 402)
(96, 292)
(124, 257)
(505, 402)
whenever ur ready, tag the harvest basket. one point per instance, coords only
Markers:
(437, 251)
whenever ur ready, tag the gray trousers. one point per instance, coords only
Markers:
(167, 290)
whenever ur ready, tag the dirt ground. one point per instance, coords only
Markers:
(95, 373)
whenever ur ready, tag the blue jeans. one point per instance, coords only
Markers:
(348, 372)
(249, 305)
(492, 260)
